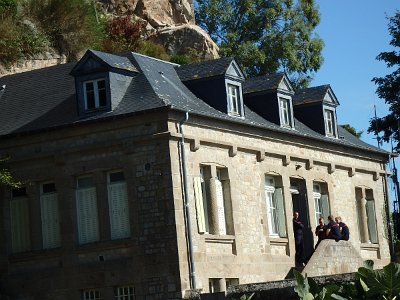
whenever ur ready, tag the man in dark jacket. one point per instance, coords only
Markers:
(332, 230)
(320, 231)
(344, 229)
(298, 239)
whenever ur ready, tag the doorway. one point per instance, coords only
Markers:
(298, 191)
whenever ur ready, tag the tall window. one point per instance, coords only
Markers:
(124, 293)
(284, 107)
(321, 202)
(329, 123)
(234, 100)
(212, 196)
(50, 216)
(91, 295)
(371, 218)
(86, 205)
(275, 208)
(366, 216)
(20, 232)
(95, 94)
(118, 205)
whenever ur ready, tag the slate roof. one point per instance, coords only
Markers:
(45, 98)
(312, 94)
(262, 83)
(115, 61)
(205, 69)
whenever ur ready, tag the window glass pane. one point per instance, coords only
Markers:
(101, 84)
(48, 188)
(85, 182)
(90, 102)
(20, 192)
(116, 177)
(233, 96)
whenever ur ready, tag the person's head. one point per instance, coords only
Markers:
(321, 221)
(330, 218)
(296, 215)
(338, 219)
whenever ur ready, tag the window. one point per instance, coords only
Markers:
(366, 216)
(86, 205)
(371, 221)
(118, 205)
(275, 208)
(321, 201)
(125, 293)
(330, 123)
(50, 216)
(20, 229)
(285, 112)
(231, 281)
(91, 295)
(234, 100)
(95, 94)
(213, 210)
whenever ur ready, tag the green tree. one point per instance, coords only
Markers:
(266, 35)
(5, 176)
(352, 130)
(389, 87)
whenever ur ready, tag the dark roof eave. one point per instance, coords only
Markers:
(82, 122)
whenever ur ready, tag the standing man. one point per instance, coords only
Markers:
(298, 239)
(320, 231)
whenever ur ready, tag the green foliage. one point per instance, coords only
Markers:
(369, 284)
(266, 36)
(352, 130)
(246, 297)
(187, 56)
(71, 25)
(17, 38)
(6, 178)
(389, 87)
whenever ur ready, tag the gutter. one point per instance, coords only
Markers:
(185, 195)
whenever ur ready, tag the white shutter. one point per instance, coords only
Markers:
(88, 223)
(220, 207)
(198, 195)
(50, 221)
(118, 210)
(20, 235)
(280, 212)
(370, 207)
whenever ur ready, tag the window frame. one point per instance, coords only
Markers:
(271, 207)
(96, 294)
(288, 113)
(330, 123)
(237, 86)
(96, 94)
(317, 202)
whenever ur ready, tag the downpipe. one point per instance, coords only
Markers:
(186, 204)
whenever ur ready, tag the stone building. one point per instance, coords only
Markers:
(102, 213)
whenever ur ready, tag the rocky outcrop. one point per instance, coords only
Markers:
(170, 23)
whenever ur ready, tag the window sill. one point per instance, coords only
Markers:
(35, 255)
(104, 245)
(369, 246)
(222, 239)
(276, 240)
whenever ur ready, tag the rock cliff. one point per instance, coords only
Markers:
(169, 22)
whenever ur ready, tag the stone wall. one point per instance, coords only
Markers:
(250, 254)
(39, 61)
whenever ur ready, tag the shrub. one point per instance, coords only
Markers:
(71, 25)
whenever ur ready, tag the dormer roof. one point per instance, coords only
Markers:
(210, 68)
(322, 93)
(94, 60)
(269, 82)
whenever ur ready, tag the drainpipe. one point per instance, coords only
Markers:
(388, 219)
(186, 202)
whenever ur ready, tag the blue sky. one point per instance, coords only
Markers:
(354, 33)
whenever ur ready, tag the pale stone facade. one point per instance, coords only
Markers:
(236, 235)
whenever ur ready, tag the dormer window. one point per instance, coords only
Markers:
(95, 94)
(285, 112)
(235, 102)
(330, 126)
